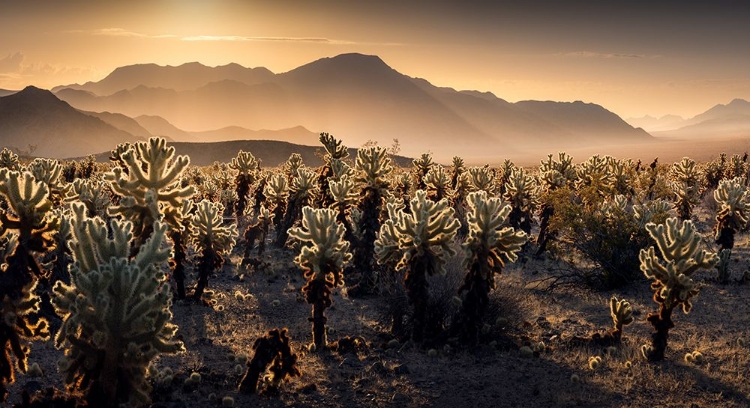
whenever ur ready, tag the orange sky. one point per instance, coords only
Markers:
(634, 58)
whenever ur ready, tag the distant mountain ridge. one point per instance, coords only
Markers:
(36, 121)
(726, 121)
(355, 97)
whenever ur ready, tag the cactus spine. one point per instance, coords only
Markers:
(488, 246)
(323, 262)
(212, 239)
(420, 241)
(672, 282)
(116, 312)
(246, 166)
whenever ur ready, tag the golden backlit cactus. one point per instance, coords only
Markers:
(212, 240)
(421, 166)
(303, 189)
(437, 183)
(522, 193)
(335, 153)
(49, 171)
(622, 315)
(276, 191)
(247, 167)
(150, 188)
(421, 241)
(92, 194)
(323, 261)
(685, 184)
(457, 168)
(480, 178)
(595, 173)
(116, 312)
(734, 209)
(9, 160)
(671, 274)
(490, 243)
(291, 165)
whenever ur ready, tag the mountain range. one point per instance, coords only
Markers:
(356, 97)
(726, 121)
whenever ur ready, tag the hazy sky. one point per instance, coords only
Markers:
(633, 57)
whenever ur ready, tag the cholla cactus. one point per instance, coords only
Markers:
(437, 183)
(522, 193)
(344, 195)
(685, 185)
(48, 171)
(488, 246)
(9, 160)
(303, 189)
(116, 312)
(339, 168)
(335, 153)
(421, 166)
(672, 282)
(272, 349)
(373, 166)
(456, 170)
(92, 194)
(421, 241)
(737, 165)
(506, 169)
(257, 231)
(276, 191)
(595, 173)
(480, 178)
(178, 234)
(247, 167)
(656, 211)
(291, 165)
(212, 239)
(149, 189)
(557, 173)
(323, 262)
(734, 210)
(722, 267)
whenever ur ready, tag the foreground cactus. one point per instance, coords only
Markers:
(335, 153)
(116, 312)
(246, 166)
(672, 282)
(212, 239)
(522, 193)
(28, 229)
(734, 211)
(421, 242)
(148, 185)
(303, 189)
(685, 186)
(272, 349)
(373, 167)
(488, 246)
(323, 262)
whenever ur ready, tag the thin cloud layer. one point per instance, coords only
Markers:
(591, 54)
(11, 63)
(239, 38)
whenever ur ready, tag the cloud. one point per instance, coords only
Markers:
(591, 54)
(11, 63)
(238, 38)
(118, 32)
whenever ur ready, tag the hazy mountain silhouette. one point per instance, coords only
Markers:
(730, 120)
(35, 117)
(123, 123)
(159, 126)
(6, 92)
(188, 76)
(297, 135)
(355, 97)
(652, 124)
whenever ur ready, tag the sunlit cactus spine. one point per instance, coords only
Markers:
(737, 166)
(49, 172)
(554, 174)
(246, 166)
(335, 152)
(622, 315)
(595, 173)
(116, 312)
(257, 232)
(421, 242)
(345, 195)
(9, 160)
(212, 238)
(437, 183)
(149, 189)
(276, 191)
(92, 194)
(323, 261)
(303, 190)
(421, 166)
(685, 185)
(734, 209)
(505, 171)
(656, 211)
(488, 246)
(372, 167)
(522, 193)
(291, 165)
(480, 178)
(457, 168)
(671, 275)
